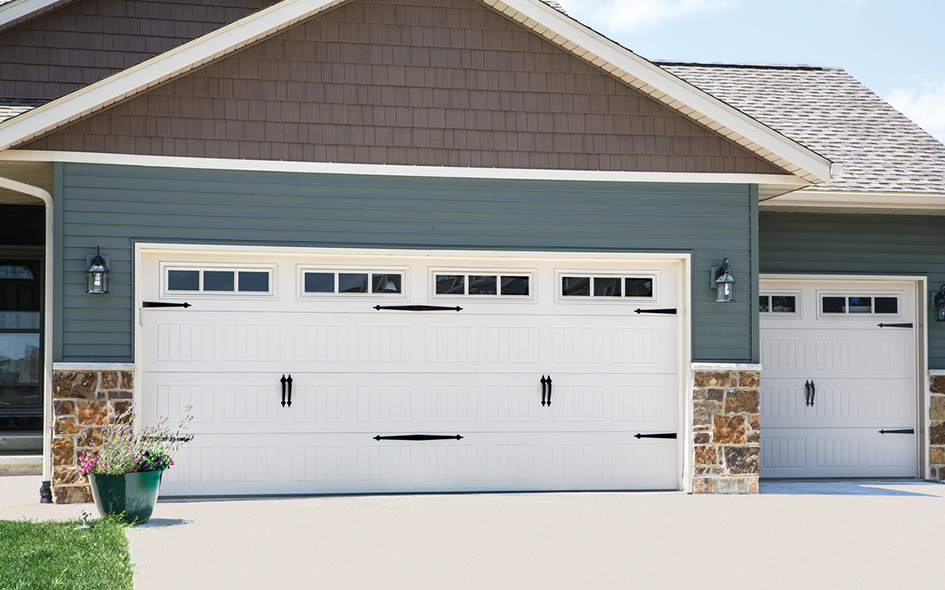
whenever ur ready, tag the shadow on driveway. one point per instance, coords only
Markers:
(853, 487)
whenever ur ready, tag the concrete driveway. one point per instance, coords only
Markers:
(794, 535)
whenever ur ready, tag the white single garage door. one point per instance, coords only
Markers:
(417, 372)
(839, 378)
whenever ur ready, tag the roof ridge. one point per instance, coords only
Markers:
(719, 64)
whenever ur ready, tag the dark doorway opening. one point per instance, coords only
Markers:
(21, 318)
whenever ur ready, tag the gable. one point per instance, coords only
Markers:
(412, 82)
(84, 41)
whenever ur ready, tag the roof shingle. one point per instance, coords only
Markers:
(833, 114)
(11, 107)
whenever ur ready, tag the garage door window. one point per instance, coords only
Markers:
(217, 281)
(856, 304)
(607, 287)
(777, 304)
(484, 284)
(352, 283)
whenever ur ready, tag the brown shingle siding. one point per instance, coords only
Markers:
(388, 82)
(87, 40)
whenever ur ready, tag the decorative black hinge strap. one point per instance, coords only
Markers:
(909, 325)
(899, 431)
(657, 435)
(417, 308)
(185, 438)
(419, 437)
(164, 304)
(666, 311)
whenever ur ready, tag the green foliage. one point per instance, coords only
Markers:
(125, 450)
(55, 555)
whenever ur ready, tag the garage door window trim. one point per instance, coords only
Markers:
(336, 282)
(217, 280)
(606, 287)
(486, 284)
(784, 304)
(840, 305)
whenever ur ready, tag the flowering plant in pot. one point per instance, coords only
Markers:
(125, 472)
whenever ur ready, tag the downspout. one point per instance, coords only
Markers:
(47, 199)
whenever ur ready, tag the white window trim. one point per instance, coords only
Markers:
(600, 299)
(235, 268)
(796, 314)
(847, 293)
(303, 295)
(498, 272)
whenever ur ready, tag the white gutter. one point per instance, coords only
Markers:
(47, 200)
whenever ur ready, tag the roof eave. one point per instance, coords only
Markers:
(815, 200)
(537, 16)
(667, 88)
(13, 13)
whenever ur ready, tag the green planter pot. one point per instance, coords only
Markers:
(130, 495)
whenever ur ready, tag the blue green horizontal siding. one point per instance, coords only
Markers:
(117, 206)
(859, 245)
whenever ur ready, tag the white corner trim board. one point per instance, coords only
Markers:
(553, 25)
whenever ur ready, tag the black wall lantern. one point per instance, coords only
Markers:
(940, 304)
(724, 284)
(98, 274)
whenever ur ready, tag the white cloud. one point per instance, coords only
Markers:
(924, 103)
(625, 15)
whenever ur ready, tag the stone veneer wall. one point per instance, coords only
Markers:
(726, 431)
(83, 402)
(937, 427)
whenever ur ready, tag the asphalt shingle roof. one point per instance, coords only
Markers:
(830, 112)
(11, 107)
(554, 4)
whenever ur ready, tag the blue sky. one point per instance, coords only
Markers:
(894, 47)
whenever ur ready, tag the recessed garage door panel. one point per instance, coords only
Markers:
(320, 463)
(838, 403)
(380, 403)
(547, 387)
(848, 452)
(397, 342)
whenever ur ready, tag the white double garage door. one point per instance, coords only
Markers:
(359, 372)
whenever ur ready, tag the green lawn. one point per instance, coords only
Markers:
(53, 554)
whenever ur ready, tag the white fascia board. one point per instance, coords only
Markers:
(509, 255)
(781, 180)
(668, 88)
(815, 199)
(18, 10)
(158, 69)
